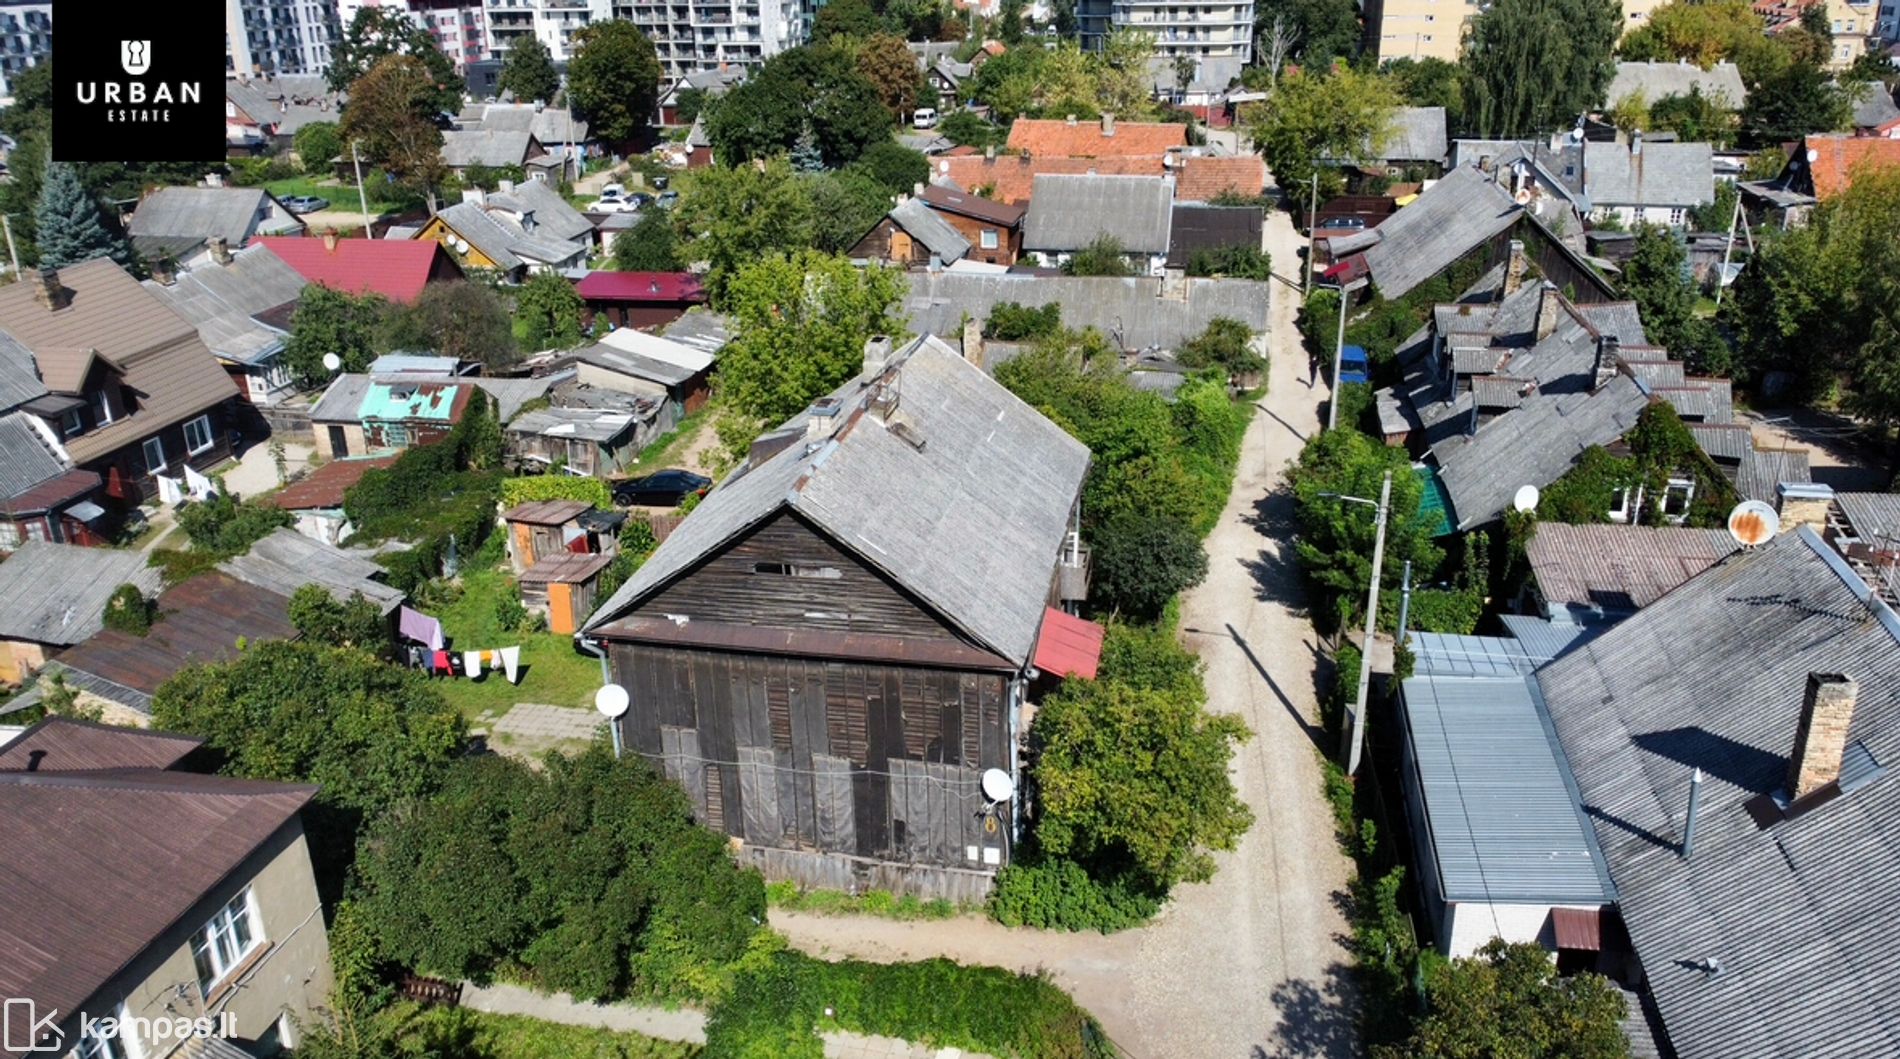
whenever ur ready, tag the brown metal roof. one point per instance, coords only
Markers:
(110, 316)
(202, 621)
(547, 512)
(568, 568)
(1620, 568)
(101, 864)
(325, 485)
(52, 492)
(951, 200)
(66, 745)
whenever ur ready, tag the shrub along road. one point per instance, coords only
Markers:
(1251, 965)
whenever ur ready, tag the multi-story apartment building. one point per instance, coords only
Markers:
(553, 21)
(279, 36)
(1217, 36)
(458, 26)
(695, 35)
(1417, 29)
(26, 38)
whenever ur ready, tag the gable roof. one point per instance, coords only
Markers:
(963, 203)
(288, 102)
(552, 214)
(56, 593)
(102, 827)
(646, 356)
(1011, 178)
(397, 269)
(204, 213)
(111, 316)
(19, 376)
(501, 240)
(1417, 134)
(1202, 177)
(1448, 220)
(325, 486)
(29, 457)
(1532, 445)
(64, 744)
(927, 227)
(1615, 570)
(1070, 212)
(1835, 160)
(550, 125)
(496, 149)
(1130, 312)
(1059, 138)
(641, 286)
(1656, 80)
(1874, 107)
(284, 561)
(1712, 676)
(1650, 174)
(222, 302)
(970, 522)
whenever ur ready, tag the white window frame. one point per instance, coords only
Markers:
(72, 423)
(121, 1045)
(1684, 487)
(145, 451)
(203, 422)
(989, 238)
(1620, 504)
(221, 947)
(103, 402)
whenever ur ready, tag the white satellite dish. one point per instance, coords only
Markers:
(1525, 498)
(997, 786)
(1814, 156)
(332, 362)
(612, 701)
(1753, 522)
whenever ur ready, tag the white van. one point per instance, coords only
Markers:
(924, 118)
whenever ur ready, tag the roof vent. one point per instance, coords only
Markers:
(822, 419)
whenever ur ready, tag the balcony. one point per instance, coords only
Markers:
(1072, 571)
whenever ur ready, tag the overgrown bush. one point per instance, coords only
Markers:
(1013, 322)
(224, 527)
(1233, 262)
(322, 618)
(1141, 563)
(1059, 894)
(436, 496)
(1226, 344)
(555, 487)
(128, 611)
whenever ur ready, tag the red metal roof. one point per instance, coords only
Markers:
(397, 269)
(326, 485)
(1578, 928)
(1068, 646)
(641, 287)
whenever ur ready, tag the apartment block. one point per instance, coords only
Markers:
(26, 39)
(1218, 37)
(1417, 29)
(692, 35)
(458, 26)
(554, 22)
(279, 36)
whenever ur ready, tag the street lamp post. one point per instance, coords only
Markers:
(1354, 735)
(1339, 350)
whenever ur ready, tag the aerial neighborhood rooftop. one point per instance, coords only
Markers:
(951, 530)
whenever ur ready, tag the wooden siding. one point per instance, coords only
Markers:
(870, 760)
(1009, 240)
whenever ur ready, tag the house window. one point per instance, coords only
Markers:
(1677, 216)
(1620, 505)
(72, 424)
(1676, 499)
(224, 942)
(198, 435)
(9, 535)
(989, 239)
(102, 402)
(396, 435)
(117, 1045)
(154, 454)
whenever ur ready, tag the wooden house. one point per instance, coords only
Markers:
(563, 585)
(542, 528)
(834, 647)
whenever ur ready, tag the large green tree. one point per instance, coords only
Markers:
(1143, 561)
(548, 312)
(651, 245)
(817, 94)
(468, 321)
(736, 215)
(528, 71)
(379, 32)
(1533, 66)
(614, 79)
(1336, 536)
(1510, 1000)
(1706, 32)
(392, 115)
(1313, 118)
(888, 64)
(844, 205)
(1800, 100)
(1657, 278)
(1315, 32)
(67, 223)
(845, 18)
(327, 321)
(1430, 83)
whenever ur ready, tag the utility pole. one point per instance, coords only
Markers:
(1405, 600)
(1356, 733)
(12, 251)
(1727, 248)
(1312, 216)
(1339, 359)
(362, 199)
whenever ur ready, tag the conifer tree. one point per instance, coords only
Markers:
(68, 224)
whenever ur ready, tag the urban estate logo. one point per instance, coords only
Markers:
(156, 98)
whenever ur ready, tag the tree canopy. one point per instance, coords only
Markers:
(1336, 536)
(888, 64)
(1510, 1000)
(528, 71)
(379, 32)
(1317, 31)
(816, 94)
(464, 320)
(1532, 66)
(328, 321)
(1656, 277)
(740, 214)
(613, 79)
(392, 114)
(1706, 32)
(1315, 117)
(69, 229)
(548, 312)
(651, 245)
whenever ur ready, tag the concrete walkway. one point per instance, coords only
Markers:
(255, 471)
(530, 729)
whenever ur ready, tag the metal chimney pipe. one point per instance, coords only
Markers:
(1688, 827)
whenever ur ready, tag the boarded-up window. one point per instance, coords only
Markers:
(715, 799)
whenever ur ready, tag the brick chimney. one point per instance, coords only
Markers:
(1606, 367)
(165, 271)
(1803, 503)
(1108, 124)
(329, 240)
(1827, 711)
(220, 249)
(49, 291)
(1515, 268)
(973, 341)
(1547, 310)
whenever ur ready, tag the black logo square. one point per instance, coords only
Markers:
(147, 89)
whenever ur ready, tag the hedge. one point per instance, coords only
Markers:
(555, 487)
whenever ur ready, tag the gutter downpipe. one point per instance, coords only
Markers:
(593, 647)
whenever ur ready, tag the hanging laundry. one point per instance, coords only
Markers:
(441, 663)
(472, 663)
(200, 487)
(511, 662)
(417, 626)
(170, 490)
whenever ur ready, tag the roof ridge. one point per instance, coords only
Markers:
(1854, 582)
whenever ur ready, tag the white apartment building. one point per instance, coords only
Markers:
(1217, 36)
(26, 39)
(695, 35)
(553, 21)
(458, 26)
(279, 36)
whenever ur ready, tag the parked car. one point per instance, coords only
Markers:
(305, 204)
(668, 488)
(1337, 225)
(667, 199)
(607, 205)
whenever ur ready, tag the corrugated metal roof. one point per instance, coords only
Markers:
(56, 593)
(202, 620)
(1501, 811)
(1447, 221)
(1129, 312)
(1545, 641)
(63, 744)
(1613, 570)
(325, 486)
(1068, 646)
(1871, 515)
(285, 560)
(26, 455)
(1067, 213)
(929, 228)
(601, 426)
(1800, 914)
(1764, 470)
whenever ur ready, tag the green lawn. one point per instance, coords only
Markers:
(341, 196)
(670, 448)
(480, 1035)
(555, 672)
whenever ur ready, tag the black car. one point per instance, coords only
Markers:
(667, 488)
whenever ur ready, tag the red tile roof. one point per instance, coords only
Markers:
(326, 484)
(1068, 646)
(1836, 158)
(1204, 178)
(1085, 139)
(397, 269)
(641, 287)
(1010, 177)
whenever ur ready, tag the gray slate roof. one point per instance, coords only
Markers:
(1131, 312)
(1654, 80)
(19, 374)
(503, 241)
(221, 301)
(1874, 106)
(600, 425)
(1593, 571)
(550, 125)
(1417, 135)
(971, 522)
(1545, 641)
(1659, 174)
(928, 227)
(1447, 221)
(201, 213)
(1533, 445)
(56, 593)
(462, 148)
(26, 459)
(552, 215)
(1763, 470)
(1501, 812)
(1872, 516)
(700, 328)
(289, 102)
(285, 560)
(1068, 211)
(1712, 676)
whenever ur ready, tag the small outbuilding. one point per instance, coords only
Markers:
(564, 586)
(542, 528)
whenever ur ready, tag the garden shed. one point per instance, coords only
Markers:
(563, 585)
(540, 529)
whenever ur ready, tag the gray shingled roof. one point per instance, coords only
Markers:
(1610, 570)
(1450, 219)
(56, 593)
(1654, 80)
(1874, 107)
(928, 227)
(1657, 174)
(289, 101)
(19, 374)
(1763, 470)
(462, 148)
(970, 522)
(552, 215)
(285, 560)
(1069, 211)
(550, 125)
(1417, 134)
(1502, 820)
(1799, 914)
(26, 459)
(1532, 445)
(222, 300)
(1131, 312)
(235, 214)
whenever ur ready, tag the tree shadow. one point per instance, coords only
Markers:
(1276, 572)
(1316, 1019)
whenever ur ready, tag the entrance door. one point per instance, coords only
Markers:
(339, 444)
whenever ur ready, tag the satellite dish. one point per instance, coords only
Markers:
(1753, 522)
(1814, 156)
(997, 786)
(1525, 499)
(1523, 196)
(332, 362)
(612, 701)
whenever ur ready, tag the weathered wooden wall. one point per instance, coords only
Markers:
(836, 871)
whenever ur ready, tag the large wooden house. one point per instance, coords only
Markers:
(837, 643)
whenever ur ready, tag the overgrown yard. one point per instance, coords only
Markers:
(552, 670)
(341, 196)
(481, 1035)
